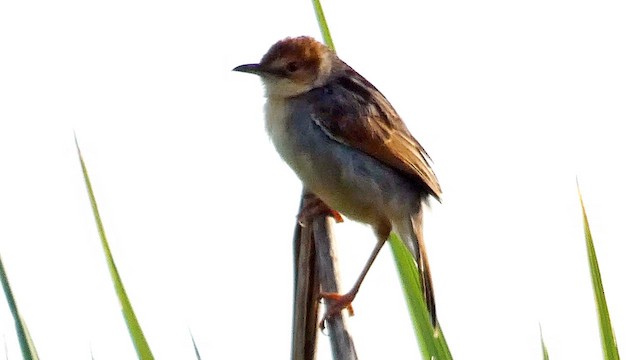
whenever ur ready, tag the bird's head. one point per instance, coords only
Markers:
(293, 66)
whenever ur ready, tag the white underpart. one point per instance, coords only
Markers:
(276, 87)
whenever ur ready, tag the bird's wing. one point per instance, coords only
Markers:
(373, 126)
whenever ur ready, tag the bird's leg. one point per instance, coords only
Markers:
(337, 302)
(313, 207)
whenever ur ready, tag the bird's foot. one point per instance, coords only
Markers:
(337, 303)
(313, 207)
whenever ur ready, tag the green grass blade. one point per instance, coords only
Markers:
(431, 342)
(26, 344)
(135, 331)
(32, 346)
(607, 337)
(322, 22)
(195, 347)
(545, 353)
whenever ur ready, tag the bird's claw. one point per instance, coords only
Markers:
(337, 303)
(313, 207)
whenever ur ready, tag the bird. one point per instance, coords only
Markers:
(350, 149)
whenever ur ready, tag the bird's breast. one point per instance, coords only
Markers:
(347, 179)
(277, 124)
(276, 112)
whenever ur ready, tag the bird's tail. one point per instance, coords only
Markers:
(411, 234)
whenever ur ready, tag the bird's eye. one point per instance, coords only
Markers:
(292, 66)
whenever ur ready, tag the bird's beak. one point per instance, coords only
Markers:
(250, 68)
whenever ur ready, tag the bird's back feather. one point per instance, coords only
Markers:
(373, 126)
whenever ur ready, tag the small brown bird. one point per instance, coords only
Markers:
(349, 147)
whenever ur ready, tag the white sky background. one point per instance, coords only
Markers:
(511, 99)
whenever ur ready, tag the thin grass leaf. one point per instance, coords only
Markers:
(607, 336)
(26, 344)
(322, 22)
(195, 347)
(431, 342)
(135, 331)
(341, 342)
(545, 353)
(30, 343)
